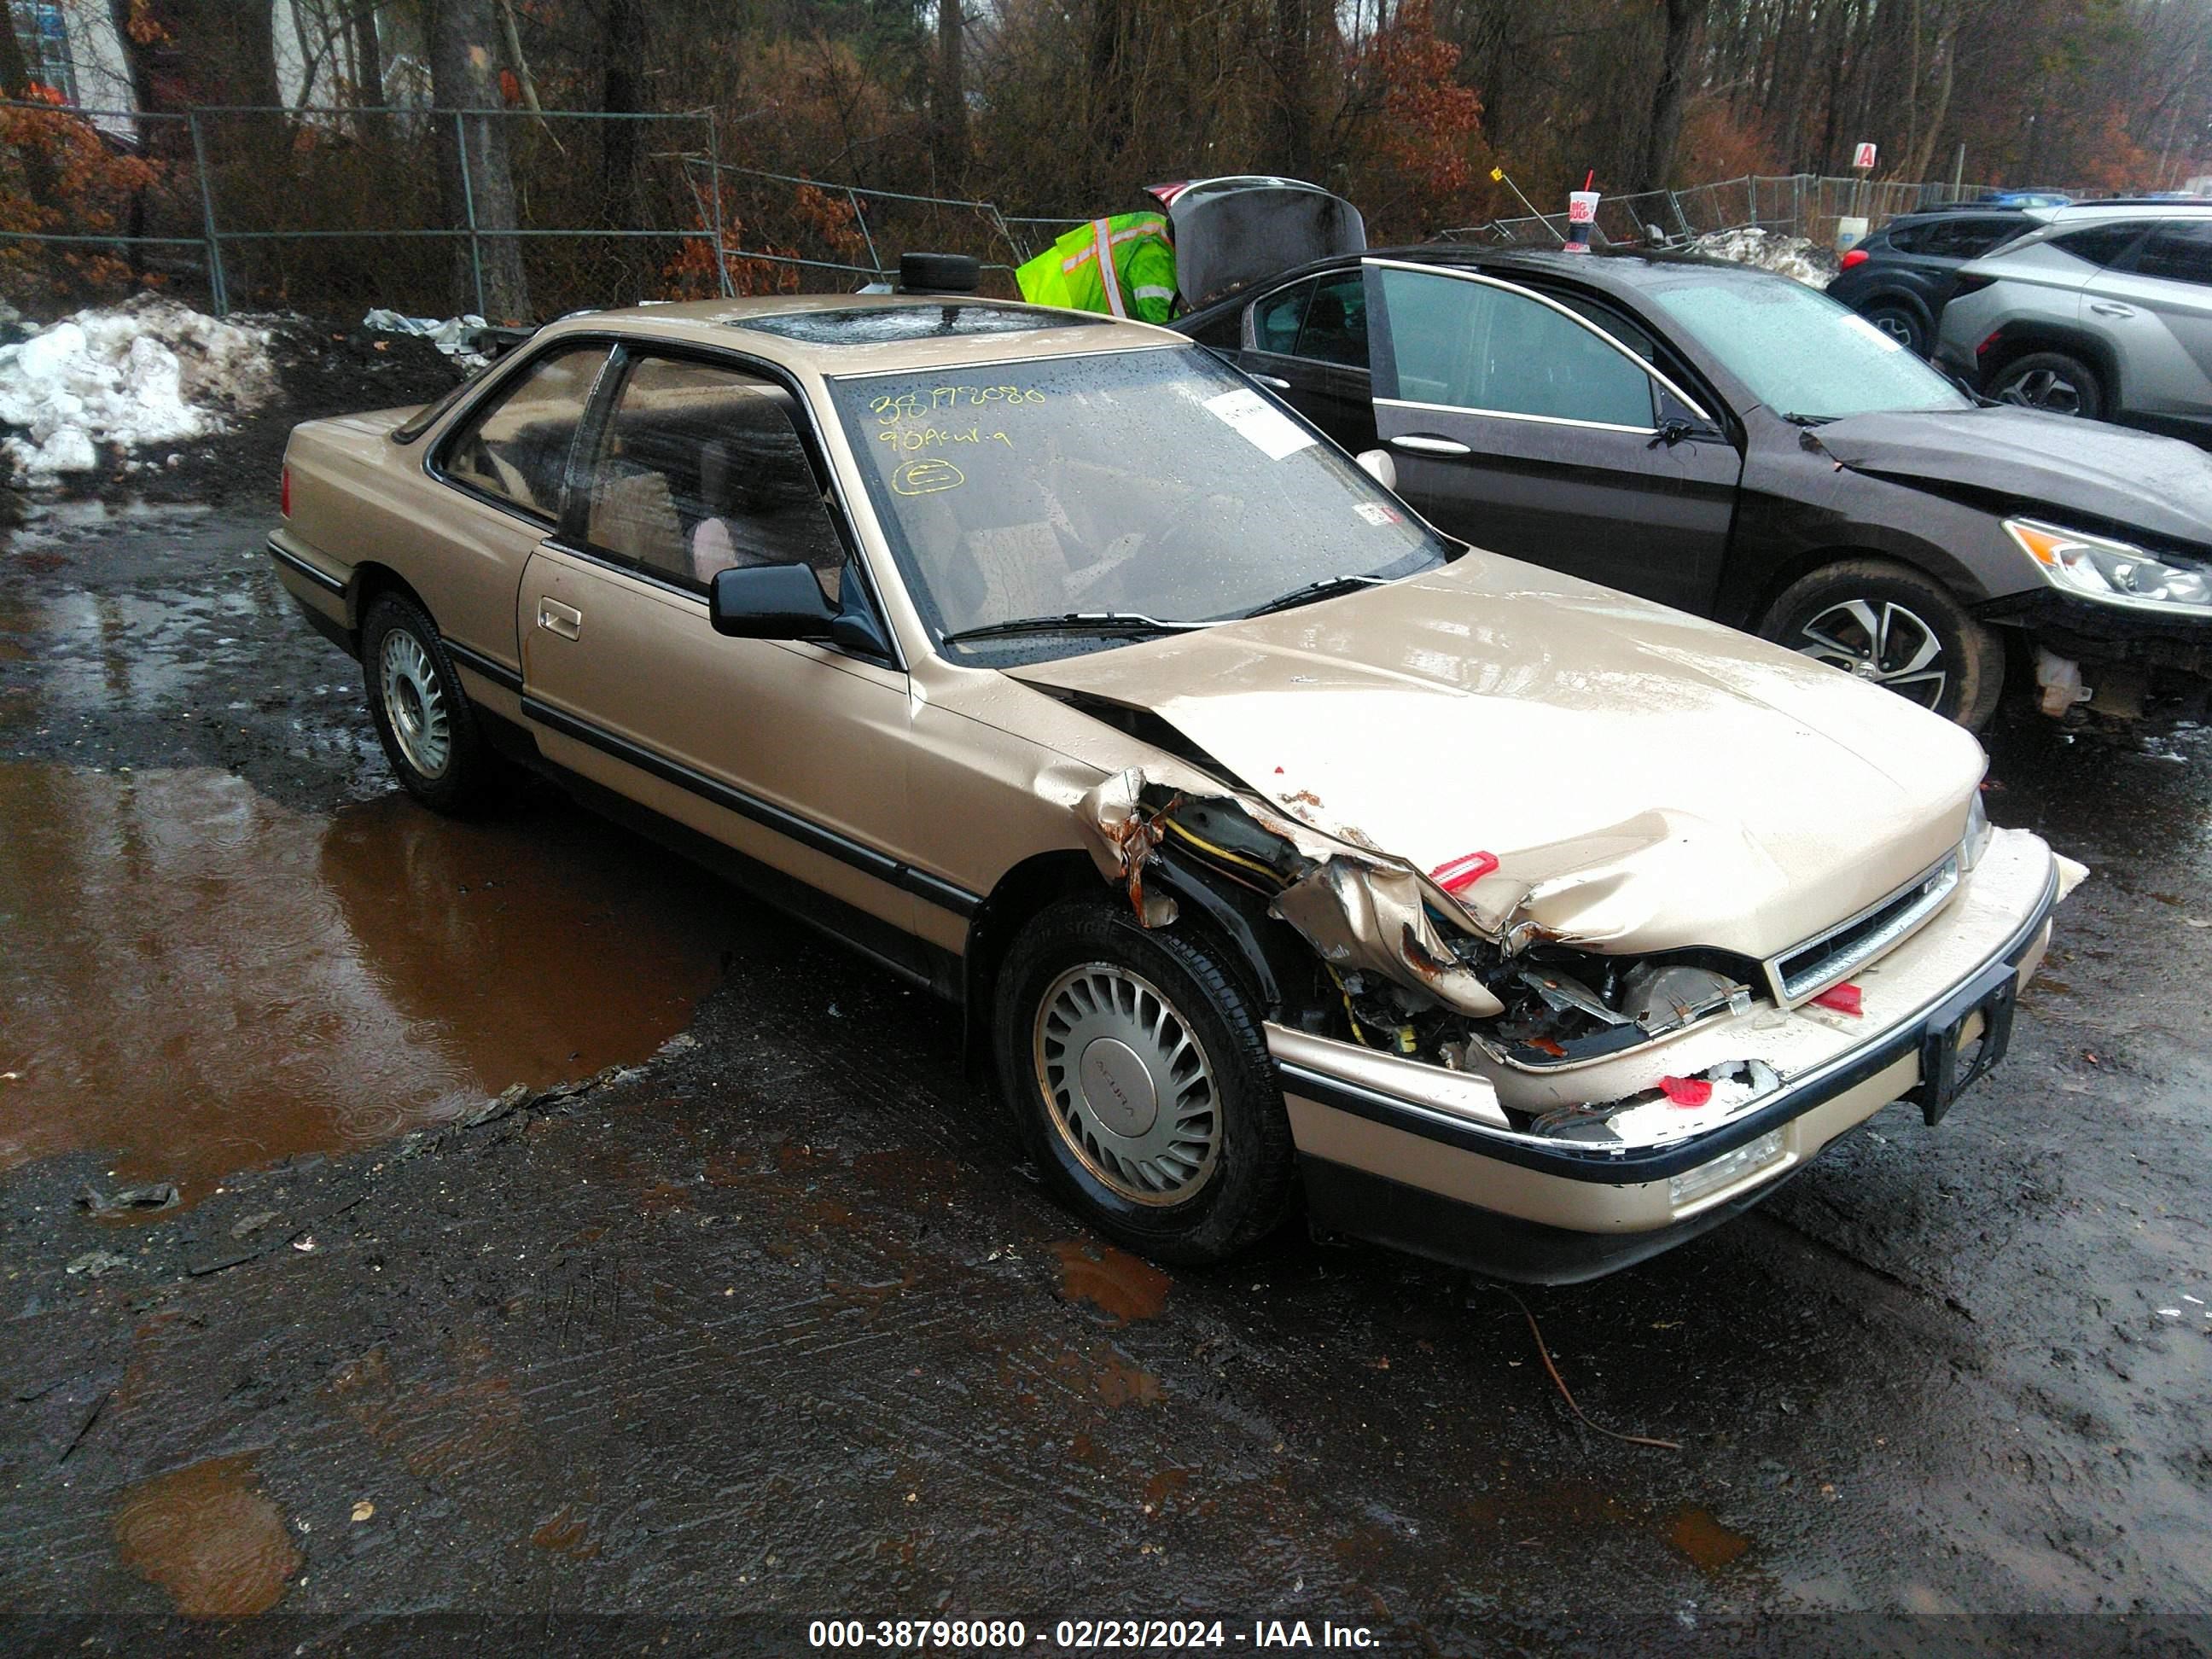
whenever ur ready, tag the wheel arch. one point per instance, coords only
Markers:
(1895, 293)
(2017, 340)
(370, 581)
(1935, 563)
(1234, 927)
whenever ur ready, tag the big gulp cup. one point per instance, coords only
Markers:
(1582, 214)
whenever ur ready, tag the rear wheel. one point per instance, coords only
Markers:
(1902, 324)
(421, 714)
(1894, 627)
(1140, 1075)
(2050, 380)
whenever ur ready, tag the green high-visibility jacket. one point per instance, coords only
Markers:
(1068, 274)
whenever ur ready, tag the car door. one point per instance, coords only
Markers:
(1519, 426)
(506, 467)
(1308, 345)
(793, 753)
(2154, 308)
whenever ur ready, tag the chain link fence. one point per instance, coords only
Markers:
(1792, 203)
(328, 208)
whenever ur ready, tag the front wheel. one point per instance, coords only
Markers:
(1140, 1073)
(421, 714)
(1894, 627)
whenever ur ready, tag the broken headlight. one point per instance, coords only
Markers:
(1562, 1007)
(2112, 572)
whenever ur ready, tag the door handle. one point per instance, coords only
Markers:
(2108, 308)
(1421, 445)
(1273, 383)
(557, 618)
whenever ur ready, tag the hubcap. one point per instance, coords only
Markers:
(2046, 388)
(1898, 328)
(1127, 1084)
(415, 703)
(1880, 641)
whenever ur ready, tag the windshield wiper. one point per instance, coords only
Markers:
(1808, 420)
(1326, 588)
(1073, 621)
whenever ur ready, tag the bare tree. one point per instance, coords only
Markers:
(948, 97)
(473, 152)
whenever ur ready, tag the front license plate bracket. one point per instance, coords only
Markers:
(1990, 994)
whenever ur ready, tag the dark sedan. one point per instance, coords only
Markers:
(1737, 445)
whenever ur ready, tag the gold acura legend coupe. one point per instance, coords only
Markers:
(1265, 838)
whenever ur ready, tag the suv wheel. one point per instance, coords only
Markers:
(1892, 626)
(1902, 324)
(2051, 380)
(1139, 1073)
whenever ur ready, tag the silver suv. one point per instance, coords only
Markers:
(2106, 312)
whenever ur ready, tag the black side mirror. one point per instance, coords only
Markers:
(770, 602)
(786, 602)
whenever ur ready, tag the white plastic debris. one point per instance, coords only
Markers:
(1788, 256)
(447, 334)
(149, 372)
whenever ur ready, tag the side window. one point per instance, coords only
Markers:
(1335, 329)
(517, 449)
(1470, 345)
(1275, 320)
(1910, 238)
(700, 468)
(2180, 252)
(2100, 245)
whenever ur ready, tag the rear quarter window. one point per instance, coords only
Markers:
(2100, 245)
(515, 449)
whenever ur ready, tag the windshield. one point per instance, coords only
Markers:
(1152, 485)
(1800, 352)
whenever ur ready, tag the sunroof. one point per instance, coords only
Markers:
(868, 325)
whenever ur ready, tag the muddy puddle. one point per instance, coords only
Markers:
(209, 1535)
(197, 981)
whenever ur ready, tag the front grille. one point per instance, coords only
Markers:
(1805, 970)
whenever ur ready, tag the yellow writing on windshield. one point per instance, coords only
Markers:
(910, 438)
(927, 478)
(907, 405)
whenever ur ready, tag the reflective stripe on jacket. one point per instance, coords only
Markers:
(1135, 247)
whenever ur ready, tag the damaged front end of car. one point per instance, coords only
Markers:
(1447, 969)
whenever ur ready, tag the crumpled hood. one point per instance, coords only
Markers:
(1647, 780)
(2159, 486)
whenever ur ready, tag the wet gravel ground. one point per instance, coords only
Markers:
(770, 1322)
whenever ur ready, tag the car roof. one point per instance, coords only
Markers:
(2127, 208)
(839, 334)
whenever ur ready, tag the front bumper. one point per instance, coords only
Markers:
(2082, 630)
(1423, 1158)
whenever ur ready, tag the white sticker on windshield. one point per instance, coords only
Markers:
(1270, 431)
(1887, 342)
(1375, 513)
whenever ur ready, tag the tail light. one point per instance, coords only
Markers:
(1983, 350)
(1857, 256)
(284, 494)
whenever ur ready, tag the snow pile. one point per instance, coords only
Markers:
(1788, 256)
(149, 372)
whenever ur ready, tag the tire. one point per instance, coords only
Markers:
(422, 716)
(1195, 1188)
(2050, 380)
(1901, 323)
(1879, 620)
